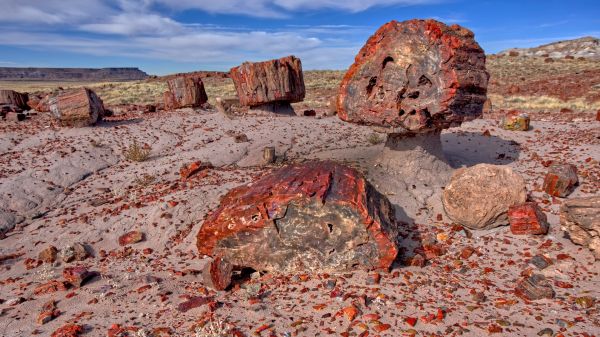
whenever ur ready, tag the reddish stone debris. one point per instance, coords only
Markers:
(189, 170)
(131, 238)
(185, 91)
(270, 81)
(51, 287)
(194, 302)
(77, 107)
(598, 115)
(69, 330)
(527, 218)
(534, 287)
(48, 255)
(117, 330)
(217, 274)
(311, 216)
(560, 180)
(416, 75)
(77, 275)
(48, 313)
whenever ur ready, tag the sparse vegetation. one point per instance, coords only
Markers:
(138, 153)
(144, 180)
(375, 139)
(213, 328)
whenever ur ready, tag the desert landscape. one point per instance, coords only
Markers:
(436, 191)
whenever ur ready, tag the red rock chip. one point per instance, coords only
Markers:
(527, 218)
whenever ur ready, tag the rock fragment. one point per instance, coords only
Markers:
(68, 330)
(77, 275)
(48, 255)
(185, 91)
(48, 313)
(515, 121)
(527, 218)
(534, 287)
(194, 168)
(77, 107)
(560, 180)
(580, 218)
(131, 238)
(74, 252)
(15, 101)
(217, 274)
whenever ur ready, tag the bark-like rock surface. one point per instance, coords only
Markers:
(271, 81)
(185, 91)
(313, 216)
(478, 197)
(13, 99)
(560, 180)
(527, 218)
(78, 107)
(580, 218)
(415, 76)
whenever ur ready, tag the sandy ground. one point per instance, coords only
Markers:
(61, 186)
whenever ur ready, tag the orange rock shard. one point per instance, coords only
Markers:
(312, 216)
(185, 91)
(527, 218)
(78, 107)
(415, 76)
(271, 81)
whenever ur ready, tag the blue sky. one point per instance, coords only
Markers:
(164, 36)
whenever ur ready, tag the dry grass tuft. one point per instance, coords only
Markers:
(375, 139)
(138, 153)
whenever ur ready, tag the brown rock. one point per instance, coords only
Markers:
(478, 197)
(15, 99)
(580, 218)
(69, 330)
(48, 313)
(51, 287)
(185, 91)
(417, 76)
(560, 180)
(312, 216)
(271, 81)
(217, 274)
(527, 218)
(77, 108)
(48, 255)
(74, 252)
(78, 275)
(189, 170)
(131, 238)
(534, 287)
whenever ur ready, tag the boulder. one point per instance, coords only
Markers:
(186, 91)
(479, 197)
(527, 218)
(580, 218)
(313, 216)
(534, 287)
(271, 81)
(14, 99)
(515, 121)
(560, 180)
(415, 76)
(77, 107)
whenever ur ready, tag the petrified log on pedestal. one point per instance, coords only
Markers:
(78, 107)
(314, 216)
(580, 218)
(185, 91)
(416, 75)
(270, 85)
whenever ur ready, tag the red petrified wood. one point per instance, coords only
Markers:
(527, 218)
(185, 91)
(312, 216)
(416, 76)
(14, 101)
(78, 107)
(217, 274)
(270, 81)
(561, 180)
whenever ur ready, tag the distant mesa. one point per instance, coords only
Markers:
(586, 47)
(71, 74)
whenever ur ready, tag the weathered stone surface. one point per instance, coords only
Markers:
(271, 81)
(527, 218)
(74, 252)
(185, 91)
(580, 218)
(68, 330)
(77, 275)
(515, 121)
(478, 197)
(131, 238)
(217, 274)
(16, 99)
(560, 180)
(51, 287)
(312, 216)
(534, 287)
(78, 107)
(415, 76)
(48, 255)
(191, 169)
(48, 313)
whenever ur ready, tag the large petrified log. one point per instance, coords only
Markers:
(415, 76)
(77, 107)
(185, 91)
(15, 101)
(580, 218)
(312, 216)
(275, 82)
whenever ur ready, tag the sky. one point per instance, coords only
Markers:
(168, 36)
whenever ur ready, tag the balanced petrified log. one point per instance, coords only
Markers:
(415, 76)
(185, 91)
(313, 216)
(274, 81)
(580, 218)
(15, 100)
(78, 107)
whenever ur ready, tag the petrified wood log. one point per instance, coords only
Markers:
(527, 218)
(560, 180)
(270, 81)
(185, 91)
(580, 218)
(415, 76)
(313, 216)
(78, 107)
(17, 99)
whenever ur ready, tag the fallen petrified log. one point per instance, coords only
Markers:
(580, 218)
(269, 85)
(185, 91)
(313, 216)
(77, 107)
(15, 100)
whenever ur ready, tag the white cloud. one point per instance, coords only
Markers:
(53, 11)
(135, 24)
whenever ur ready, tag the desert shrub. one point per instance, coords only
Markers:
(374, 139)
(138, 153)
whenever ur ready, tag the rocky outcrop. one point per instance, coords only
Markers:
(77, 107)
(478, 197)
(72, 74)
(580, 218)
(313, 216)
(185, 91)
(587, 47)
(271, 81)
(415, 76)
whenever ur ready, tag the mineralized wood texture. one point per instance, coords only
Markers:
(580, 218)
(16, 99)
(415, 76)
(313, 216)
(270, 81)
(78, 107)
(185, 91)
